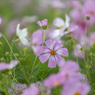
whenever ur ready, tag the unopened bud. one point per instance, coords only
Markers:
(87, 17)
(17, 40)
(16, 54)
(7, 53)
(0, 43)
(2, 59)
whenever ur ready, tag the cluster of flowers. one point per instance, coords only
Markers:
(68, 76)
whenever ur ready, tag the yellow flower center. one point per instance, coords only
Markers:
(77, 93)
(60, 26)
(52, 52)
(92, 12)
(56, 83)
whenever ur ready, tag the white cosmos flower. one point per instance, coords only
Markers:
(22, 34)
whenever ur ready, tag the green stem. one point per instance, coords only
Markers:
(15, 57)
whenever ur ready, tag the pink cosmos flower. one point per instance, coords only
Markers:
(0, 20)
(69, 68)
(54, 80)
(52, 51)
(32, 90)
(43, 23)
(60, 23)
(37, 40)
(0, 35)
(76, 88)
(5, 66)
(16, 89)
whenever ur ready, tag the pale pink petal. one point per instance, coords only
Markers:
(43, 58)
(49, 44)
(44, 49)
(57, 45)
(62, 51)
(4, 66)
(58, 22)
(52, 62)
(39, 23)
(13, 64)
(67, 22)
(0, 20)
(59, 60)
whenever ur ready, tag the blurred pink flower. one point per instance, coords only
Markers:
(32, 90)
(43, 23)
(0, 20)
(75, 88)
(0, 35)
(16, 89)
(52, 51)
(69, 68)
(54, 80)
(37, 40)
(58, 33)
(59, 22)
(89, 10)
(5, 66)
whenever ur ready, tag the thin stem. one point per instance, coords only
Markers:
(33, 65)
(16, 81)
(75, 51)
(15, 57)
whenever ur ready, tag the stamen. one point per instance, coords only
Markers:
(92, 12)
(52, 52)
(77, 93)
(56, 83)
(60, 26)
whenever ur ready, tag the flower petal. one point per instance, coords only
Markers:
(62, 51)
(43, 58)
(58, 22)
(59, 60)
(49, 44)
(57, 45)
(52, 62)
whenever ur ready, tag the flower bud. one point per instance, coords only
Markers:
(87, 17)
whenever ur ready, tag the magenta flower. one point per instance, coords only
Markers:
(32, 90)
(5, 66)
(53, 52)
(43, 23)
(54, 80)
(37, 40)
(75, 88)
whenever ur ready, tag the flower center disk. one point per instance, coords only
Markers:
(52, 52)
(77, 93)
